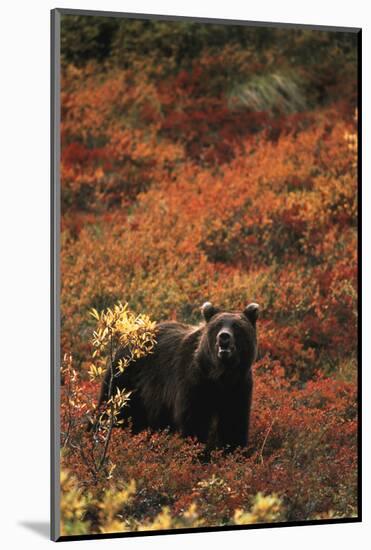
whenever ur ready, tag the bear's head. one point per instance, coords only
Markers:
(230, 337)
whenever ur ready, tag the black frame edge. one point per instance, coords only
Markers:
(359, 258)
(54, 274)
(196, 19)
(215, 529)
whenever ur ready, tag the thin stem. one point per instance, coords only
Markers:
(108, 437)
(265, 440)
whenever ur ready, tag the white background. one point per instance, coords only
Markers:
(24, 271)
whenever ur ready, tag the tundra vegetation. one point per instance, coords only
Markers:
(209, 162)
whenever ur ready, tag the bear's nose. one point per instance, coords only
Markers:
(224, 339)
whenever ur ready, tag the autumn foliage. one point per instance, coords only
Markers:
(179, 190)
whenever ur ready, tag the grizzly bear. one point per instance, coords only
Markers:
(196, 380)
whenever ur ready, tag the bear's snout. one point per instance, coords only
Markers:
(224, 339)
(225, 343)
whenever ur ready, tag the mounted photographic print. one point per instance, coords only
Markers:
(205, 261)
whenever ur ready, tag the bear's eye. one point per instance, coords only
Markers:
(238, 330)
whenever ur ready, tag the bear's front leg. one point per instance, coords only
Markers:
(193, 417)
(234, 419)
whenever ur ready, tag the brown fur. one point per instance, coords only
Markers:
(196, 378)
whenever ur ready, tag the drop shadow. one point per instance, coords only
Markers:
(42, 528)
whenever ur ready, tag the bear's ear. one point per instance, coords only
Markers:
(252, 312)
(208, 311)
